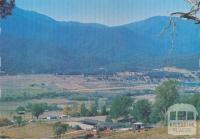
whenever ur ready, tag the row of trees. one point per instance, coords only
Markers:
(143, 110)
(124, 106)
(37, 109)
(93, 110)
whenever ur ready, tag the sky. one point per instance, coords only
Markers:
(108, 12)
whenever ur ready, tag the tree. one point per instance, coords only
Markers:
(93, 109)
(75, 108)
(84, 111)
(192, 14)
(142, 110)
(195, 101)
(20, 108)
(66, 110)
(120, 107)
(166, 95)
(77, 127)
(28, 107)
(6, 7)
(5, 122)
(154, 116)
(37, 109)
(60, 129)
(17, 120)
(103, 110)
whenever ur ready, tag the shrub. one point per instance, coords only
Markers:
(5, 122)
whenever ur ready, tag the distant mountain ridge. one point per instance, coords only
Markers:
(34, 43)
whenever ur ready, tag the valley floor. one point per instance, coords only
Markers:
(44, 130)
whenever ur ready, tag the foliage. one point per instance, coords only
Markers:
(18, 120)
(52, 107)
(108, 119)
(20, 95)
(103, 110)
(66, 110)
(142, 110)
(120, 106)
(195, 101)
(166, 95)
(37, 109)
(75, 108)
(93, 109)
(77, 127)
(84, 111)
(20, 108)
(154, 116)
(28, 107)
(60, 129)
(5, 122)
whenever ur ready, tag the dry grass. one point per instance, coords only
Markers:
(33, 130)
(160, 133)
(157, 133)
(76, 83)
(44, 130)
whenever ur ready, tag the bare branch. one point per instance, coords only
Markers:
(192, 14)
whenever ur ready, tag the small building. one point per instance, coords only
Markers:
(21, 112)
(64, 116)
(52, 117)
(110, 126)
(128, 119)
(138, 125)
(81, 125)
(90, 122)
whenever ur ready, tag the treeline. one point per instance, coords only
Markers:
(145, 111)
(37, 108)
(21, 96)
(92, 110)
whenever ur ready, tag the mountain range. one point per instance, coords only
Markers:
(34, 43)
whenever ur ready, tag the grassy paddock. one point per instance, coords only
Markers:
(157, 133)
(33, 130)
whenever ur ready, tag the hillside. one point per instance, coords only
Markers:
(34, 43)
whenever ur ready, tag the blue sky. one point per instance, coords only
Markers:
(109, 12)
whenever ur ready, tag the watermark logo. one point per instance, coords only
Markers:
(182, 119)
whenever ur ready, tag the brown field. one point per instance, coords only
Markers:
(77, 83)
(33, 130)
(37, 131)
(31, 85)
(157, 133)
(44, 130)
